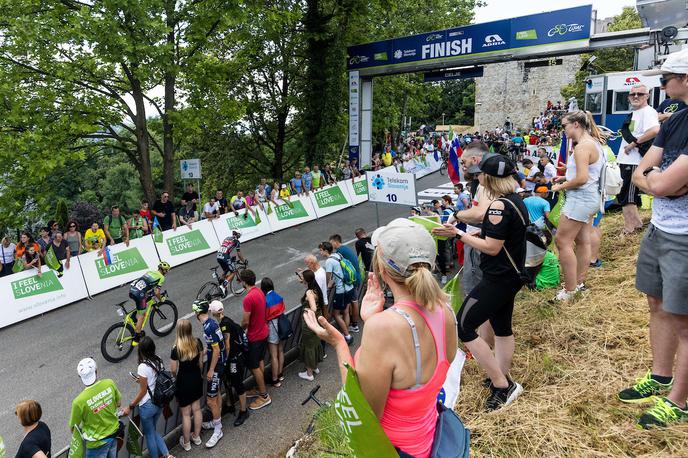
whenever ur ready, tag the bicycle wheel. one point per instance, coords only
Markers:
(116, 343)
(443, 168)
(163, 318)
(235, 285)
(209, 291)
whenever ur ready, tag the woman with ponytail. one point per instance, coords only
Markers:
(405, 350)
(502, 247)
(583, 198)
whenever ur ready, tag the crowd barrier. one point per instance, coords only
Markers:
(29, 296)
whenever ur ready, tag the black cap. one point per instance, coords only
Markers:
(497, 165)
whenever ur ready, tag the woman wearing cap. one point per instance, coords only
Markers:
(400, 371)
(502, 246)
(583, 199)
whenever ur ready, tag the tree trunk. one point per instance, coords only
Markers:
(170, 83)
(142, 142)
(317, 48)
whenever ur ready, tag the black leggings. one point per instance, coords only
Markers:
(492, 299)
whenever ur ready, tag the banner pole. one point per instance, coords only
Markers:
(377, 213)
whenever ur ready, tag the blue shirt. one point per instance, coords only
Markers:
(307, 180)
(537, 207)
(213, 337)
(350, 255)
(296, 183)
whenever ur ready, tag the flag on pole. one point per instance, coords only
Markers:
(76, 444)
(455, 153)
(453, 289)
(134, 439)
(563, 151)
(157, 232)
(363, 431)
(52, 261)
(107, 258)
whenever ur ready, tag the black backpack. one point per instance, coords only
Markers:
(238, 337)
(165, 385)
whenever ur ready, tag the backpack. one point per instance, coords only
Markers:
(165, 386)
(238, 337)
(348, 269)
(610, 180)
(108, 220)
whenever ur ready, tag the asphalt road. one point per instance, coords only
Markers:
(39, 356)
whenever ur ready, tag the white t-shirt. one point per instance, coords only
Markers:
(145, 370)
(321, 280)
(530, 185)
(550, 171)
(7, 254)
(643, 120)
(215, 208)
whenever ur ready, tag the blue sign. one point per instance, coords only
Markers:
(460, 74)
(498, 37)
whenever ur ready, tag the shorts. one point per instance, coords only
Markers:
(342, 300)
(581, 204)
(139, 299)
(273, 337)
(491, 300)
(234, 374)
(213, 385)
(256, 353)
(227, 266)
(629, 194)
(662, 269)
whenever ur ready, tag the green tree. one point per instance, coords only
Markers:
(61, 214)
(608, 60)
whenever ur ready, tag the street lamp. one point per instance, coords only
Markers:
(442, 118)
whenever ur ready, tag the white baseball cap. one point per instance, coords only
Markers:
(87, 371)
(216, 306)
(403, 243)
(676, 62)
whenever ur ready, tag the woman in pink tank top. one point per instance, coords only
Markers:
(405, 350)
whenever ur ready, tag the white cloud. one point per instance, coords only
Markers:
(504, 9)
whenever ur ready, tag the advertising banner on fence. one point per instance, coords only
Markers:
(246, 226)
(283, 216)
(532, 153)
(127, 263)
(184, 244)
(357, 189)
(330, 199)
(389, 186)
(25, 294)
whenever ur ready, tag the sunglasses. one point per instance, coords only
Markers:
(637, 94)
(72, 225)
(663, 80)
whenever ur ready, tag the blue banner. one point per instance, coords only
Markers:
(458, 74)
(498, 37)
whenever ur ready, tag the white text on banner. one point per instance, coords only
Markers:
(184, 244)
(392, 187)
(128, 263)
(246, 226)
(283, 216)
(358, 189)
(532, 153)
(25, 294)
(330, 199)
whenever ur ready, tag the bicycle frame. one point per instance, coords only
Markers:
(128, 316)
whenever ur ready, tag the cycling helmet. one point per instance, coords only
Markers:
(164, 266)
(200, 306)
(236, 234)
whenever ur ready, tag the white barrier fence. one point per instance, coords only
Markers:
(26, 295)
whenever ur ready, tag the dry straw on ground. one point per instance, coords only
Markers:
(571, 359)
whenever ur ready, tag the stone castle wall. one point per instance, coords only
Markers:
(509, 89)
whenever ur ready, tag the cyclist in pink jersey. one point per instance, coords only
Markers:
(400, 380)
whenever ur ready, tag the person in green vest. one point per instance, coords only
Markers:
(316, 174)
(115, 227)
(94, 412)
(138, 226)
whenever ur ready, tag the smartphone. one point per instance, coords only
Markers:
(134, 376)
(299, 275)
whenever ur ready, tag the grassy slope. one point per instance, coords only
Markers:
(571, 359)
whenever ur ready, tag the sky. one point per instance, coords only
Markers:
(504, 9)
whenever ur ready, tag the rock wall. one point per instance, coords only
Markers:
(510, 89)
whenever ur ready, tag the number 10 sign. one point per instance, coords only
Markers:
(391, 187)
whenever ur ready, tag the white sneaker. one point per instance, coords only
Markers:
(564, 295)
(317, 371)
(213, 439)
(196, 440)
(304, 375)
(185, 445)
(443, 280)
(208, 425)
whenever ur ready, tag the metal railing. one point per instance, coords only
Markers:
(170, 426)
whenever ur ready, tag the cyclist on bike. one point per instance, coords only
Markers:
(142, 289)
(226, 259)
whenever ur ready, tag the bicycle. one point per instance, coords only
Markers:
(116, 344)
(445, 165)
(211, 290)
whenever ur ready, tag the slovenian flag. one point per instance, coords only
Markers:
(107, 259)
(563, 152)
(274, 305)
(455, 153)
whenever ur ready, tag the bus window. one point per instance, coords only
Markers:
(593, 102)
(621, 102)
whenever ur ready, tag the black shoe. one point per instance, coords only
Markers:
(500, 397)
(241, 418)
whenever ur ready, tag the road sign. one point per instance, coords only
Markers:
(191, 169)
(392, 187)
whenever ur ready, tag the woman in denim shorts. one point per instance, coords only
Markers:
(582, 185)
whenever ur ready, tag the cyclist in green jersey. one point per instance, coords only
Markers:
(142, 289)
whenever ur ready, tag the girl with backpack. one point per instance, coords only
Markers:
(187, 365)
(275, 308)
(150, 365)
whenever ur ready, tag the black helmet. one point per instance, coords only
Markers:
(236, 234)
(200, 306)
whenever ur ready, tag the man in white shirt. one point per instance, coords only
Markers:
(545, 165)
(643, 127)
(211, 209)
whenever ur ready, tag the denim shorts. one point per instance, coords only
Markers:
(581, 204)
